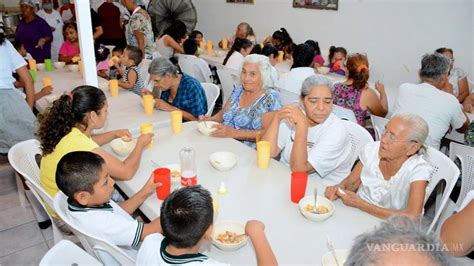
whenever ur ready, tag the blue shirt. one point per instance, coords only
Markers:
(190, 96)
(250, 118)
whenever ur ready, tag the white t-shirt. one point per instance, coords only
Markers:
(328, 147)
(455, 75)
(56, 21)
(153, 252)
(10, 62)
(392, 193)
(163, 49)
(235, 61)
(274, 75)
(293, 80)
(109, 222)
(438, 108)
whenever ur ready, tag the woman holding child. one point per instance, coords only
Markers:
(68, 126)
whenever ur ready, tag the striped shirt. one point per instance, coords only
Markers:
(139, 85)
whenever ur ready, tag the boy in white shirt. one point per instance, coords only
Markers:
(186, 217)
(84, 178)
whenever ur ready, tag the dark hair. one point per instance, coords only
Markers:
(177, 30)
(118, 49)
(2, 32)
(17, 44)
(289, 48)
(78, 171)
(358, 73)
(190, 46)
(101, 52)
(67, 26)
(185, 216)
(257, 49)
(444, 49)
(334, 49)
(302, 56)
(237, 46)
(195, 33)
(135, 54)
(283, 36)
(270, 49)
(315, 46)
(66, 112)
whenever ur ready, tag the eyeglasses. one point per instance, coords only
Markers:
(391, 137)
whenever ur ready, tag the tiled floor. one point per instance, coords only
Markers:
(22, 242)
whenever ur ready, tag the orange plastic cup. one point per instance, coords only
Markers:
(298, 186)
(162, 175)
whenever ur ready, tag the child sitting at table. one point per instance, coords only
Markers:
(186, 217)
(337, 60)
(102, 60)
(84, 178)
(116, 55)
(69, 50)
(190, 46)
(131, 77)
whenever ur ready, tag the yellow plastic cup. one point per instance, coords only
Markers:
(148, 104)
(263, 154)
(146, 128)
(176, 121)
(225, 43)
(32, 64)
(280, 56)
(113, 86)
(47, 82)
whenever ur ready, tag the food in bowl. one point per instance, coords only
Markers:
(59, 65)
(206, 127)
(73, 68)
(40, 66)
(121, 147)
(308, 213)
(229, 237)
(323, 70)
(320, 209)
(223, 161)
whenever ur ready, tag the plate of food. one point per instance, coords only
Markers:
(229, 235)
(323, 210)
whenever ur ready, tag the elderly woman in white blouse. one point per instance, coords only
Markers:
(391, 176)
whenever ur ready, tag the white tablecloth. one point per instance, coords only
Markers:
(252, 194)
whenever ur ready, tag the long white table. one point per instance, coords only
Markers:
(125, 110)
(252, 194)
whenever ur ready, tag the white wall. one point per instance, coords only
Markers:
(393, 33)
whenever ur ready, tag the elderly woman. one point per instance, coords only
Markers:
(34, 32)
(457, 85)
(241, 116)
(309, 136)
(243, 31)
(391, 176)
(138, 31)
(178, 91)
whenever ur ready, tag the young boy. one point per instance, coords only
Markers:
(186, 218)
(131, 77)
(190, 46)
(83, 177)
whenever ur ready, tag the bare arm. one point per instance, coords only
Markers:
(107, 137)
(150, 228)
(131, 80)
(350, 183)
(463, 89)
(98, 32)
(376, 105)
(65, 59)
(28, 85)
(140, 40)
(170, 42)
(457, 231)
(271, 132)
(255, 230)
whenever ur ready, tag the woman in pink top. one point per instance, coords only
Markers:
(70, 47)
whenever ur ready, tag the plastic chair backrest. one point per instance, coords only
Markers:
(465, 154)
(229, 78)
(212, 93)
(359, 137)
(344, 113)
(288, 97)
(100, 248)
(378, 123)
(195, 67)
(443, 169)
(67, 253)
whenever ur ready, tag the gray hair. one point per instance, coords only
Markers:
(398, 233)
(315, 80)
(161, 66)
(264, 65)
(433, 67)
(418, 129)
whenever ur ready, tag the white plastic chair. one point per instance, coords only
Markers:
(465, 154)
(195, 67)
(212, 93)
(105, 251)
(378, 123)
(229, 78)
(344, 113)
(22, 158)
(443, 169)
(359, 137)
(288, 97)
(144, 65)
(67, 253)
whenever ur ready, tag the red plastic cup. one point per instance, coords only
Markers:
(298, 185)
(162, 175)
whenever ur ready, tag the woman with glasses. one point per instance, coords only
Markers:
(391, 176)
(457, 85)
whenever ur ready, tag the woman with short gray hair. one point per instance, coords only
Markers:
(309, 137)
(392, 175)
(241, 116)
(179, 91)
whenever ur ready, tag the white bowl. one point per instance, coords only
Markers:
(341, 255)
(59, 65)
(323, 70)
(221, 228)
(206, 128)
(223, 160)
(121, 147)
(73, 68)
(40, 66)
(321, 201)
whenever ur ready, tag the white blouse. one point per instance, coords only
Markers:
(392, 193)
(455, 76)
(235, 60)
(163, 49)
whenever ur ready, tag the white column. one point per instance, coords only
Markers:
(86, 42)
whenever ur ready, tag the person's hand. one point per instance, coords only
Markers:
(145, 139)
(150, 186)
(468, 107)
(123, 133)
(222, 131)
(145, 92)
(46, 90)
(350, 198)
(41, 43)
(204, 118)
(380, 87)
(116, 63)
(163, 105)
(293, 115)
(254, 227)
(331, 192)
